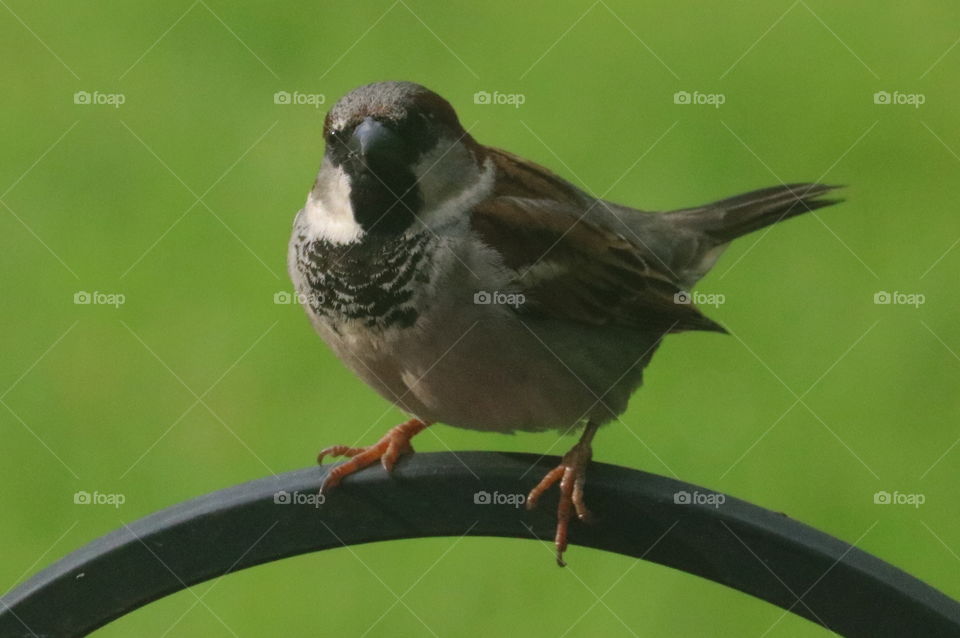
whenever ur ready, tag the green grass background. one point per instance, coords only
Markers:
(105, 199)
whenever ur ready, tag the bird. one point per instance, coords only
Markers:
(471, 287)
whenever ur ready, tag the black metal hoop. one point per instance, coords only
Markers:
(636, 514)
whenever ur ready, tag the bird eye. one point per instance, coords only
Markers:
(336, 137)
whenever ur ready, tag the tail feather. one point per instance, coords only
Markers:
(727, 219)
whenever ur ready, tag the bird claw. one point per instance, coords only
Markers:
(571, 474)
(387, 450)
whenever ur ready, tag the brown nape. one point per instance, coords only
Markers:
(518, 177)
(432, 104)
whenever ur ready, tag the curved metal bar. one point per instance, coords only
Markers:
(734, 543)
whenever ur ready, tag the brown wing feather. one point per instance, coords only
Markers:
(518, 177)
(571, 269)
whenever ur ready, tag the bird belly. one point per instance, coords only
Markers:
(489, 370)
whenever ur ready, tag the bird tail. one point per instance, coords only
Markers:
(727, 219)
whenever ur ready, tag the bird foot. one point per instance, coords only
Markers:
(387, 450)
(571, 473)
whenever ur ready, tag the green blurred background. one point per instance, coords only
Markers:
(181, 199)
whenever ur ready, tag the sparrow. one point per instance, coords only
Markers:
(472, 287)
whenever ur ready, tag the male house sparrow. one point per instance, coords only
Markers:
(475, 288)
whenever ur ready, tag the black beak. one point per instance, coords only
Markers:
(374, 141)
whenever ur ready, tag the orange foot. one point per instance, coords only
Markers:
(394, 443)
(572, 473)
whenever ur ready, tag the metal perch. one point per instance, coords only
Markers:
(753, 550)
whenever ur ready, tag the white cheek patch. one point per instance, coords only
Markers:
(328, 213)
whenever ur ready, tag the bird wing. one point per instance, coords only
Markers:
(569, 268)
(520, 177)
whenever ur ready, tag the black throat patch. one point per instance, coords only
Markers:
(385, 199)
(372, 281)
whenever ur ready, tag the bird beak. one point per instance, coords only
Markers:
(375, 141)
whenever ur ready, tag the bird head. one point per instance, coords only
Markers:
(393, 151)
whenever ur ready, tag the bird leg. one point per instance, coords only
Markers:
(571, 473)
(388, 449)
